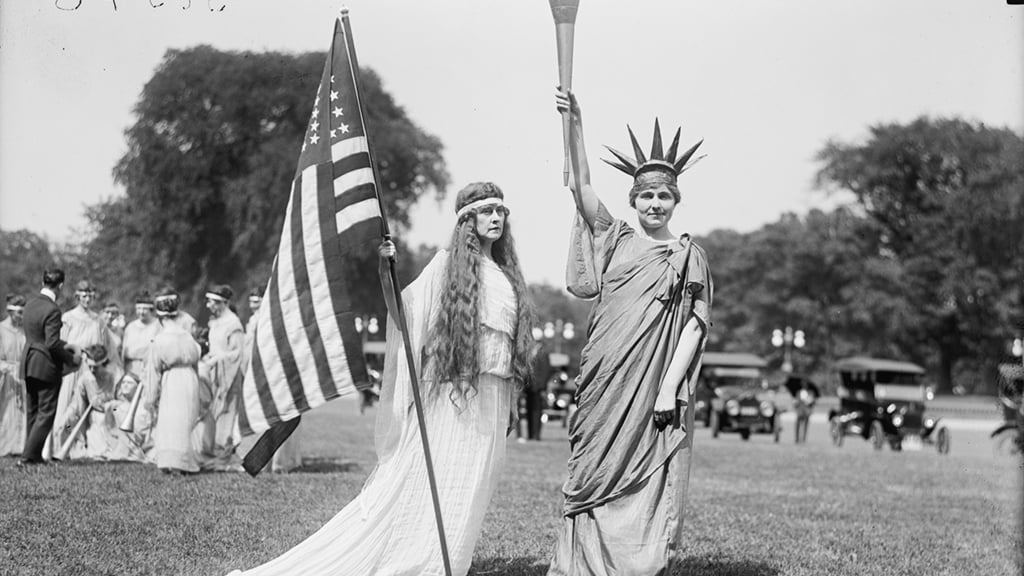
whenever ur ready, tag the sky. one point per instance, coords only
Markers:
(765, 83)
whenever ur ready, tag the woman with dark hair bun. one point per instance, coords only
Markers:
(172, 379)
(469, 324)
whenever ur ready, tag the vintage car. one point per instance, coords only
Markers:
(883, 401)
(733, 395)
(559, 397)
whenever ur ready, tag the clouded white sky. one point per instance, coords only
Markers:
(764, 83)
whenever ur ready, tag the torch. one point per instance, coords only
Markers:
(564, 12)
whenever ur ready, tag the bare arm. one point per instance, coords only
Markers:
(583, 193)
(686, 350)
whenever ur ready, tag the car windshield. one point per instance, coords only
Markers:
(734, 377)
(899, 392)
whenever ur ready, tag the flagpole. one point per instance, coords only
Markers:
(409, 357)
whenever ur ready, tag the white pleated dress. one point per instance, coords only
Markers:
(389, 528)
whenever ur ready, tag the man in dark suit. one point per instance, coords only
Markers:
(43, 363)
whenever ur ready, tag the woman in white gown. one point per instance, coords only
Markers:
(171, 373)
(469, 321)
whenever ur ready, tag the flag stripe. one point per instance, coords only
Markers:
(358, 212)
(285, 356)
(266, 401)
(349, 180)
(356, 195)
(321, 310)
(337, 279)
(274, 348)
(348, 147)
(351, 162)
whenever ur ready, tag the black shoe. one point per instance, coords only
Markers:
(26, 462)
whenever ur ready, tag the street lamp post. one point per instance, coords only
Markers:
(787, 340)
(558, 332)
(366, 325)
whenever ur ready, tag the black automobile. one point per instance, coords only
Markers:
(883, 401)
(733, 395)
(559, 398)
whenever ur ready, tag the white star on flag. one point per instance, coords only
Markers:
(334, 132)
(334, 95)
(344, 128)
(314, 139)
(315, 125)
(337, 112)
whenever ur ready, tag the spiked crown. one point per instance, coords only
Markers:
(659, 160)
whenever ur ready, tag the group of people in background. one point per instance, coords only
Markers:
(160, 389)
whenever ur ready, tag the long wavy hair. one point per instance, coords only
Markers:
(454, 351)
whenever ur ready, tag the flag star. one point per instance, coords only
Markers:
(334, 132)
(315, 125)
(332, 78)
(314, 139)
(344, 128)
(334, 95)
(316, 112)
(338, 111)
(303, 145)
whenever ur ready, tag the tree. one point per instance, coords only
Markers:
(814, 273)
(24, 255)
(946, 197)
(209, 167)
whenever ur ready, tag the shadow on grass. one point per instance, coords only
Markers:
(509, 567)
(706, 566)
(325, 466)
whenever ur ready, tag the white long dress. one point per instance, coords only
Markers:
(389, 528)
(217, 434)
(171, 369)
(12, 389)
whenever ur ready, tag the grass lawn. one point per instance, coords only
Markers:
(756, 508)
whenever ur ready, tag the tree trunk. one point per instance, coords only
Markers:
(945, 374)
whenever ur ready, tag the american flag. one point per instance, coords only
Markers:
(306, 350)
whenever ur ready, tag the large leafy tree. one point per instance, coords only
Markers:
(209, 166)
(945, 196)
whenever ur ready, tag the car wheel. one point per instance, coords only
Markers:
(942, 441)
(877, 435)
(836, 432)
(715, 424)
(745, 434)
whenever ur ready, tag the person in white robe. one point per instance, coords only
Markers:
(114, 320)
(467, 311)
(12, 388)
(218, 433)
(139, 334)
(171, 369)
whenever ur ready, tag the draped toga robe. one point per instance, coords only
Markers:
(625, 492)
